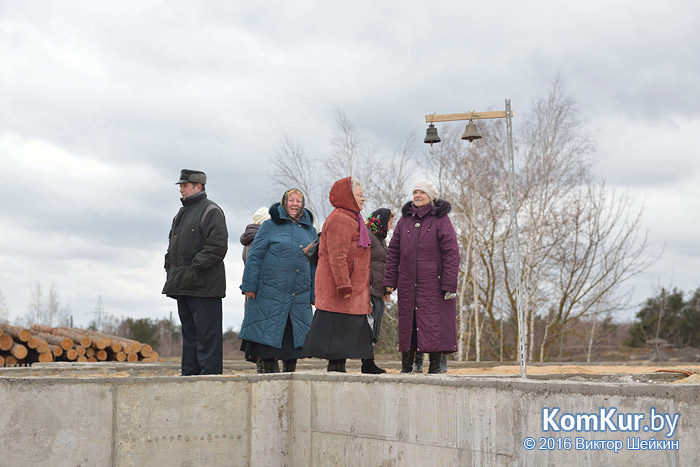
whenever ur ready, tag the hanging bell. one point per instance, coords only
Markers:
(431, 135)
(471, 133)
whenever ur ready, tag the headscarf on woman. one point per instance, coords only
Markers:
(378, 222)
(340, 329)
(278, 281)
(285, 199)
(338, 200)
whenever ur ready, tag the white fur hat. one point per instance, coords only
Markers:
(428, 187)
(261, 215)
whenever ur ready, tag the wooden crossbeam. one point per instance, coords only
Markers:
(432, 118)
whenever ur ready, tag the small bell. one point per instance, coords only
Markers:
(431, 135)
(471, 133)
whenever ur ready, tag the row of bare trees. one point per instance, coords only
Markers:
(579, 240)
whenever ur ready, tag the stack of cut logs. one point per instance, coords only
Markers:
(21, 346)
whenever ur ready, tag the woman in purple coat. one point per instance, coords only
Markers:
(422, 265)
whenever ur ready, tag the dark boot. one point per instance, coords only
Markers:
(368, 366)
(270, 366)
(336, 365)
(288, 366)
(260, 365)
(443, 363)
(407, 361)
(418, 363)
(434, 358)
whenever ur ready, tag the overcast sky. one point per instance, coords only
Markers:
(102, 104)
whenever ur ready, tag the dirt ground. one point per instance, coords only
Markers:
(656, 373)
(563, 369)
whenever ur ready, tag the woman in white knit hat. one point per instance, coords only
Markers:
(422, 265)
(247, 237)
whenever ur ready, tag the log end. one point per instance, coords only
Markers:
(42, 346)
(146, 350)
(6, 342)
(46, 357)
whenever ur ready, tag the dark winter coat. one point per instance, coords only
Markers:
(422, 264)
(282, 278)
(198, 243)
(247, 238)
(343, 265)
(377, 264)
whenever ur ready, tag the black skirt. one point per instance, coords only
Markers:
(254, 350)
(335, 336)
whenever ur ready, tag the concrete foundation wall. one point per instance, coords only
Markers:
(319, 419)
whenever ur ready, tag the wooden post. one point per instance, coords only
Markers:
(432, 118)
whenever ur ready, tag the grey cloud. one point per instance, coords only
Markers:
(143, 89)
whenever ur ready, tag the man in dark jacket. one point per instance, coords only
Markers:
(194, 264)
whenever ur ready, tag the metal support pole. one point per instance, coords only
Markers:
(516, 240)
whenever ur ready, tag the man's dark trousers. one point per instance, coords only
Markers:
(202, 346)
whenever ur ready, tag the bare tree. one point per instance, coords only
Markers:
(349, 149)
(473, 179)
(36, 304)
(46, 310)
(385, 178)
(580, 240)
(603, 249)
(294, 167)
(556, 164)
(4, 310)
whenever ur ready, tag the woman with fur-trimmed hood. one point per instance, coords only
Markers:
(423, 264)
(278, 281)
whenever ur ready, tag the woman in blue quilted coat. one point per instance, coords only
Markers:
(278, 280)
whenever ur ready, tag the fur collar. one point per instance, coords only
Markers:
(440, 208)
(280, 216)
